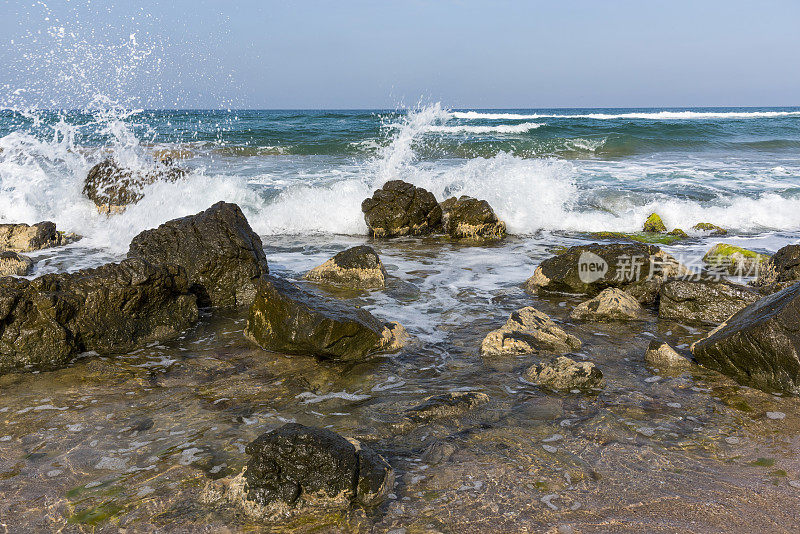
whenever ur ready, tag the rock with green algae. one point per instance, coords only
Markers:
(654, 224)
(735, 260)
(677, 232)
(713, 229)
(641, 237)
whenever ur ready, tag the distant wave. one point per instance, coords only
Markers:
(502, 128)
(656, 115)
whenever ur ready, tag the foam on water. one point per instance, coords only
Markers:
(657, 115)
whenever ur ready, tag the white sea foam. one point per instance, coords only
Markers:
(501, 128)
(656, 115)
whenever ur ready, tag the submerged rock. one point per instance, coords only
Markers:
(399, 209)
(13, 264)
(654, 224)
(562, 373)
(27, 238)
(760, 345)
(112, 187)
(637, 268)
(297, 468)
(447, 405)
(703, 301)
(610, 305)
(470, 218)
(46, 322)
(357, 268)
(712, 229)
(220, 252)
(660, 355)
(285, 318)
(781, 271)
(528, 331)
(735, 260)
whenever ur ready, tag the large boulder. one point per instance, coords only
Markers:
(703, 301)
(469, 218)
(528, 331)
(300, 468)
(285, 318)
(117, 307)
(13, 264)
(781, 271)
(563, 373)
(112, 187)
(611, 304)
(222, 255)
(26, 238)
(734, 260)
(638, 268)
(399, 209)
(356, 268)
(760, 345)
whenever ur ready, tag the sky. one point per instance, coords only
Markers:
(347, 54)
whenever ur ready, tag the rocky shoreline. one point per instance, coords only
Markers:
(214, 263)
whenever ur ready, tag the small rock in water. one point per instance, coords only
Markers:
(563, 373)
(661, 355)
(13, 264)
(528, 331)
(610, 305)
(356, 268)
(776, 415)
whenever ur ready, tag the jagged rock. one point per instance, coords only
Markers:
(660, 355)
(470, 218)
(112, 187)
(285, 318)
(528, 331)
(760, 345)
(610, 305)
(563, 373)
(356, 268)
(46, 322)
(712, 229)
(13, 264)
(399, 209)
(447, 405)
(300, 468)
(703, 301)
(654, 224)
(677, 232)
(27, 238)
(735, 260)
(222, 255)
(781, 271)
(637, 268)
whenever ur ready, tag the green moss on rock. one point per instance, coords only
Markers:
(708, 227)
(654, 224)
(735, 259)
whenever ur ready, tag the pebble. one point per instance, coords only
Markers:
(733, 440)
(646, 431)
(775, 415)
(549, 448)
(795, 483)
(674, 404)
(54, 473)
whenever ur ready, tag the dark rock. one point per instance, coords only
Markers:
(112, 187)
(703, 301)
(46, 322)
(220, 252)
(26, 238)
(447, 405)
(638, 268)
(781, 271)
(13, 264)
(760, 345)
(470, 218)
(285, 318)
(399, 209)
(298, 466)
(356, 268)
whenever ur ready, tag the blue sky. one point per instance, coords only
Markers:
(378, 54)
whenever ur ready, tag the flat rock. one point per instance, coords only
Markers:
(285, 318)
(399, 209)
(13, 264)
(528, 331)
(638, 268)
(661, 355)
(469, 218)
(222, 255)
(563, 373)
(27, 238)
(703, 301)
(356, 268)
(759, 345)
(611, 304)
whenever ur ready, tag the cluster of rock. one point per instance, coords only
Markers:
(16, 238)
(403, 209)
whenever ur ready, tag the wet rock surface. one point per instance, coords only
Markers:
(357, 268)
(759, 345)
(222, 255)
(528, 331)
(469, 218)
(781, 271)
(564, 374)
(112, 187)
(735, 260)
(447, 405)
(46, 322)
(638, 268)
(703, 302)
(654, 224)
(299, 466)
(399, 209)
(661, 356)
(27, 238)
(286, 318)
(13, 264)
(610, 305)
